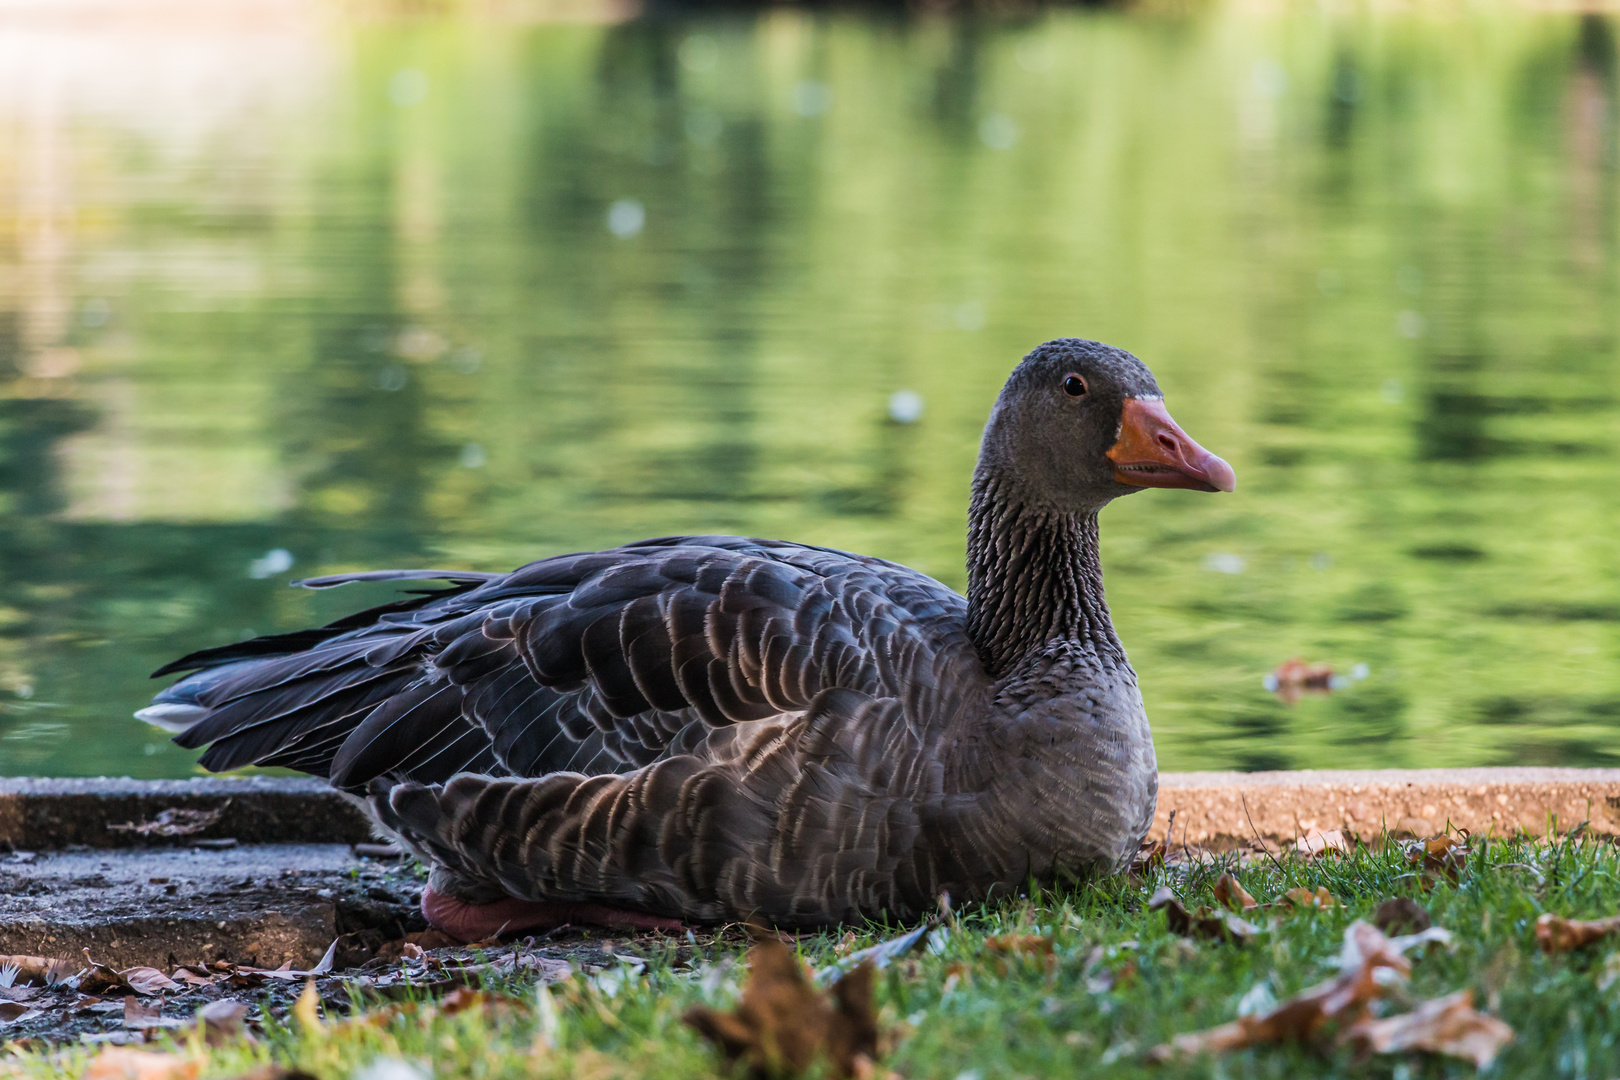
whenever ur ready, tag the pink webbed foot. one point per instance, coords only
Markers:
(509, 915)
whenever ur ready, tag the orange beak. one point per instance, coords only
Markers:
(1153, 452)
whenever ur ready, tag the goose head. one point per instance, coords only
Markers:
(1080, 423)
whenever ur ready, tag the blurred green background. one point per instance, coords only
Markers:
(290, 287)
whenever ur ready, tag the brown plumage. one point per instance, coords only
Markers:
(710, 727)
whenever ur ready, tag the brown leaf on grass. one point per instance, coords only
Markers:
(121, 1063)
(1301, 1018)
(1150, 855)
(1401, 915)
(1449, 1025)
(1214, 923)
(148, 980)
(1302, 897)
(1233, 895)
(783, 1024)
(1556, 934)
(174, 822)
(1442, 856)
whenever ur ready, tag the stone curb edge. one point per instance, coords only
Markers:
(38, 814)
(1224, 810)
(1216, 810)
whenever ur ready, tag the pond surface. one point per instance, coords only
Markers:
(285, 292)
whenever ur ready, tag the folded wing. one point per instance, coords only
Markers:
(593, 663)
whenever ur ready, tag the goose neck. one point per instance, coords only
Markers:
(1034, 578)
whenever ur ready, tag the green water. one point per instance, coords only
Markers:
(355, 291)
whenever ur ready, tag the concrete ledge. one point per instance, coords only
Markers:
(257, 904)
(1223, 810)
(42, 814)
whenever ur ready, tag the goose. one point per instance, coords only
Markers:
(698, 729)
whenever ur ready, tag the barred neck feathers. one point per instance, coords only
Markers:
(1034, 577)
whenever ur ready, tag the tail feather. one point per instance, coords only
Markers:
(333, 717)
(174, 717)
(296, 699)
(301, 640)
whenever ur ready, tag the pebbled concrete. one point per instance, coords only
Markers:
(263, 905)
(1223, 810)
(36, 814)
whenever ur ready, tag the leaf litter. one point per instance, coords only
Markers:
(783, 1024)
(174, 822)
(1214, 923)
(64, 999)
(1371, 967)
(1439, 858)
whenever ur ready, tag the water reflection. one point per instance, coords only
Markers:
(284, 298)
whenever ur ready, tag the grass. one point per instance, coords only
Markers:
(1030, 1018)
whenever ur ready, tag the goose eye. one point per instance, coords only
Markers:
(1074, 386)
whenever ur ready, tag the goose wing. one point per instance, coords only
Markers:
(595, 663)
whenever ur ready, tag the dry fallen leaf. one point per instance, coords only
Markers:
(1233, 895)
(223, 1020)
(1401, 915)
(174, 822)
(99, 978)
(1151, 855)
(1442, 856)
(1303, 1016)
(1318, 897)
(1213, 923)
(121, 1063)
(12, 1012)
(148, 980)
(145, 1015)
(1449, 1025)
(1316, 843)
(783, 1024)
(411, 946)
(1556, 934)
(39, 969)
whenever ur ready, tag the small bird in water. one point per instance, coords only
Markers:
(703, 728)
